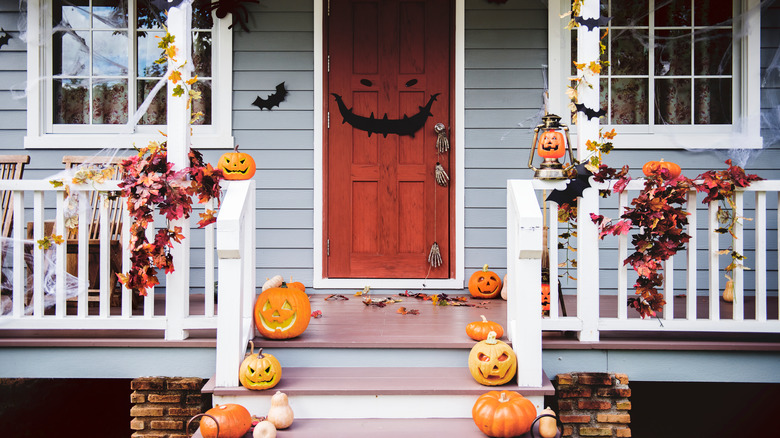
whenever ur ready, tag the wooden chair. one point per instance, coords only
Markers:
(116, 208)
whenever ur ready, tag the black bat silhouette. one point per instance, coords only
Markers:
(4, 38)
(590, 23)
(574, 187)
(273, 99)
(589, 112)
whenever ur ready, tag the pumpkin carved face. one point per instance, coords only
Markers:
(546, 298)
(551, 145)
(259, 371)
(492, 362)
(282, 312)
(237, 165)
(484, 284)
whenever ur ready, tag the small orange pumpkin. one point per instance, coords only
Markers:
(296, 285)
(492, 362)
(234, 421)
(282, 312)
(546, 298)
(655, 167)
(503, 414)
(479, 330)
(551, 145)
(237, 165)
(484, 284)
(259, 371)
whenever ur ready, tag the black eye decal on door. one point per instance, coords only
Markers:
(404, 126)
(366, 82)
(411, 82)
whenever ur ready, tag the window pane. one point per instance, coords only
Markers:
(73, 14)
(673, 101)
(713, 12)
(201, 53)
(713, 53)
(149, 17)
(629, 53)
(673, 13)
(109, 53)
(109, 14)
(148, 53)
(629, 13)
(204, 103)
(71, 101)
(109, 102)
(629, 102)
(156, 113)
(201, 16)
(713, 101)
(71, 53)
(673, 52)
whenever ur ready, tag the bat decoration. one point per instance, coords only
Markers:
(405, 126)
(589, 112)
(574, 187)
(590, 23)
(166, 4)
(235, 7)
(273, 99)
(4, 38)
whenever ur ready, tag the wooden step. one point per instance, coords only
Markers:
(374, 392)
(380, 428)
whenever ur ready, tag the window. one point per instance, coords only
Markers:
(681, 73)
(92, 66)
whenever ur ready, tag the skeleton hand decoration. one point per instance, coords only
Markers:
(441, 176)
(442, 144)
(434, 257)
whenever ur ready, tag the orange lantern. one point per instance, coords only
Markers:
(551, 140)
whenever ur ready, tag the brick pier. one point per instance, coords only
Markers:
(161, 406)
(593, 404)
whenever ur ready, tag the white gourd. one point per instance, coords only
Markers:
(264, 429)
(274, 281)
(280, 414)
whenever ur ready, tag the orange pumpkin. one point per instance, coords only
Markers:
(484, 284)
(297, 285)
(259, 371)
(503, 414)
(545, 298)
(282, 312)
(655, 167)
(237, 165)
(492, 362)
(234, 421)
(479, 330)
(551, 145)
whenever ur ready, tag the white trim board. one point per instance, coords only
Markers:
(459, 169)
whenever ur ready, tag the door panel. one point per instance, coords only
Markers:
(384, 210)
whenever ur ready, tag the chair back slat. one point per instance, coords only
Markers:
(11, 167)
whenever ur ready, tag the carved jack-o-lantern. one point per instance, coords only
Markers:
(545, 298)
(492, 362)
(237, 165)
(259, 371)
(282, 312)
(551, 145)
(484, 284)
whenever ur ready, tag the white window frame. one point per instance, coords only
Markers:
(217, 135)
(743, 133)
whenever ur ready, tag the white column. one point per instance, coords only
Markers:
(587, 233)
(178, 282)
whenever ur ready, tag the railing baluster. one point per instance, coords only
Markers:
(714, 267)
(20, 279)
(62, 258)
(552, 250)
(83, 254)
(691, 287)
(127, 294)
(760, 256)
(622, 269)
(37, 253)
(669, 288)
(149, 298)
(105, 246)
(210, 265)
(738, 275)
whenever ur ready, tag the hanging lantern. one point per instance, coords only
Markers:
(551, 141)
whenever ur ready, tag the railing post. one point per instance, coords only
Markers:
(524, 277)
(235, 218)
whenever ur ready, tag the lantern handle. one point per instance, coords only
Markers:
(533, 149)
(568, 144)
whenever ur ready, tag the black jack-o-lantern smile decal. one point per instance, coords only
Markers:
(404, 126)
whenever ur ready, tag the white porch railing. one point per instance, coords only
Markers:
(692, 276)
(44, 296)
(236, 251)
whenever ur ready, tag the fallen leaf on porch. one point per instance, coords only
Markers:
(403, 311)
(366, 290)
(332, 297)
(316, 314)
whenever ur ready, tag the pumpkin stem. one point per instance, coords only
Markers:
(491, 339)
(485, 268)
(502, 397)
(483, 318)
(260, 354)
(235, 148)
(251, 347)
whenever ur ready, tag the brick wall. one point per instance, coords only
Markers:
(593, 404)
(161, 406)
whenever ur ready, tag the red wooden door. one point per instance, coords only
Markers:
(390, 64)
